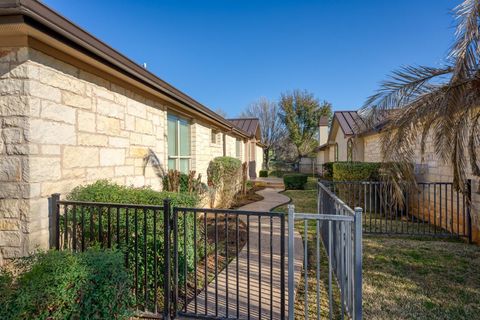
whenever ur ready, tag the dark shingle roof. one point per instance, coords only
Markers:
(350, 122)
(249, 125)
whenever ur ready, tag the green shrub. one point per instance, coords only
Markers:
(6, 281)
(263, 173)
(278, 173)
(104, 191)
(327, 170)
(63, 285)
(295, 181)
(356, 171)
(222, 167)
(311, 183)
(224, 176)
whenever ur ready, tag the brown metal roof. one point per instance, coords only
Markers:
(43, 18)
(249, 125)
(350, 122)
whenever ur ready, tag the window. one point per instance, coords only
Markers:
(214, 136)
(178, 144)
(350, 149)
(238, 148)
(336, 152)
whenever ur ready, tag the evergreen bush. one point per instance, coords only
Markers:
(356, 171)
(64, 285)
(225, 177)
(295, 181)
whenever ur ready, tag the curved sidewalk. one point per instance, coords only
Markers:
(261, 292)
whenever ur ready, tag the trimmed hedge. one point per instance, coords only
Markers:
(263, 173)
(221, 168)
(356, 171)
(295, 181)
(105, 191)
(63, 285)
(225, 177)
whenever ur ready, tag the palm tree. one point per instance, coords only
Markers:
(443, 103)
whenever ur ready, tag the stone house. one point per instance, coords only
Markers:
(348, 139)
(73, 110)
(254, 149)
(341, 142)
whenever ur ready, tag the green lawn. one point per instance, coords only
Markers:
(408, 278)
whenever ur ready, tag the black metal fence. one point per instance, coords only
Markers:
(430, 209)
(179, 257)
(339, 228)
(223, 280)
(137, 230)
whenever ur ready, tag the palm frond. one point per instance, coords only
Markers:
(465, 51)
(474, 143)
(403, 87)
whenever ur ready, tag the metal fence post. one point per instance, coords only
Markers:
(54, 220)
(282, 267)
(469, 210)
(291, 259)
(357, 303)
(318, 198)
(166, 243)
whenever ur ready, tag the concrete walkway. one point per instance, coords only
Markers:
(255, 293)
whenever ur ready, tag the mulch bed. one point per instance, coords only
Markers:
(251, 196)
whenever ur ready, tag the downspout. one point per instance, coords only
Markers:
(224, 145)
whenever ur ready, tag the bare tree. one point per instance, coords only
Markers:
(271, 126)
(221, 112)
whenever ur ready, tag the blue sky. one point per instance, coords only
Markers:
(228, 53)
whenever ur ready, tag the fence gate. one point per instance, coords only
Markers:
(213, 263)
(228, 264)
(339, 229)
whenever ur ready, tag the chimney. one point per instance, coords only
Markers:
(323, 130)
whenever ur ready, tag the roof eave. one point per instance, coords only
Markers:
(42, 17)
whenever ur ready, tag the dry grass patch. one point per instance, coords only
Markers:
(405, 278)
(419, 279)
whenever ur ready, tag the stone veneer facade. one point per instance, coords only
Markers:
(433, 170)
(61, 127)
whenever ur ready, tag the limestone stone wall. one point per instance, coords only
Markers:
(62, 127)
(14, 149)
(203, 149)
(258, 159)
(372, 148)
(230, 146)
(429, 168)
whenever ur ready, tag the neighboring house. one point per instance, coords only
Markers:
(341, 142)
(348, 139)
(253, 148)
(73, 110)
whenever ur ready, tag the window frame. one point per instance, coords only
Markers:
(238, 148)
(214, 135)
(350, 150)
(335, 155)
(178, 156)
